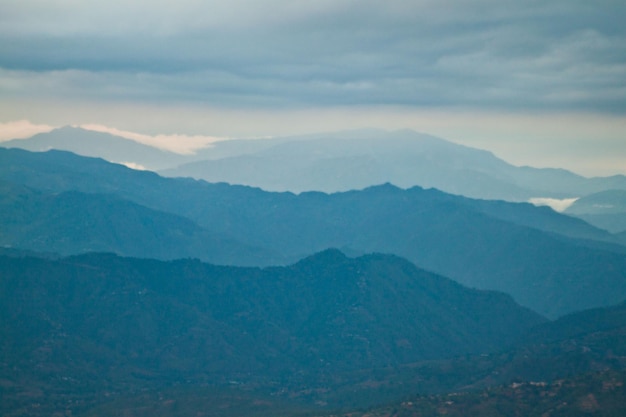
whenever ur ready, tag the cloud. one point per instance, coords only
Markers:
(20, 129)
(183, 144)
(558, 55)
(555, 204)
(135, 166)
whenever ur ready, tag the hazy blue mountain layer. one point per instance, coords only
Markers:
(72, 222)
(354, 160)
(521, 250)
(339, 161)
(101, 145)
(606, 209)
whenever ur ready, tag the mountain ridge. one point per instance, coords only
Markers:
(103, 145)
(325, 313)
(337, 161)
(153, 350)
(450, 235)
(71, 222)
(353, 160)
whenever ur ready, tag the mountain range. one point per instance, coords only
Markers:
(357, 159)
(99, 320)
(339, 161)
(72, 222)
(549, 262)
(97, 334)
(101, 145)
(123, 292)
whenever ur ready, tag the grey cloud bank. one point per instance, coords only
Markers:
(486, 54)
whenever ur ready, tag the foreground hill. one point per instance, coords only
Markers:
(103, 335)
(573, 366)
(545, 260)
(599, 394)
(77, 325)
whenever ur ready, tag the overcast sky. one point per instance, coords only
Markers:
(540, 83)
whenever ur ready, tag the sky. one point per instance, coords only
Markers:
(540, 83)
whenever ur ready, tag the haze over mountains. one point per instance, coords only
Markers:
(279, 303)
(605, 209)
(172, 247)
(549, 262)
(339, 161)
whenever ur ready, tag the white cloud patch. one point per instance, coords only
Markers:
(182, 144)
(133, 165)
(21, 129)
(556, 204)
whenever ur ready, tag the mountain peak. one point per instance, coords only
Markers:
(384, 187)
(330, 256)
(97, 144)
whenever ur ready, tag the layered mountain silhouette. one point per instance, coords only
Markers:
(245, 307)
(356, 159)
(339, 161)
(549, 262)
